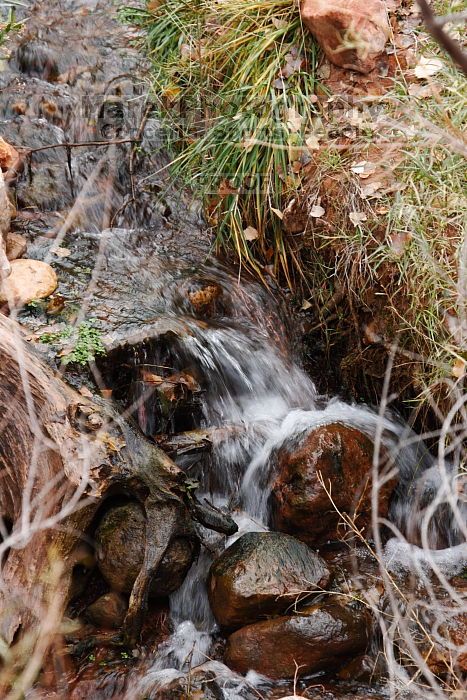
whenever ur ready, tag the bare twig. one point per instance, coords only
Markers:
(435, 27)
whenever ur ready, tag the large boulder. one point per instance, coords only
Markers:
(352, 33)
(332, 461)
(29, 280)
(321, 637)
(120, 539)
(261, 574)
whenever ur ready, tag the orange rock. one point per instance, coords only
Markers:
(8, 155)
(352, 33)
(29, 279)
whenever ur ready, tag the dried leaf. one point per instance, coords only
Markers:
(279, 23)
(458, 368)
(306, 305)
(427, 66)
(363, 169)
(371, 189)
(312, 143)
(250, 233)
(225, 188)
(317, 211)
(114, 444)
(292, 65)
(294, 120)
(278, 213)
(357, 217)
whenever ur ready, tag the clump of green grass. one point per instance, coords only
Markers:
(78, 345)
(236, 82)
(8, 23)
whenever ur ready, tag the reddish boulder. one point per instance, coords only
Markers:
(320, 637)
(261, 574)
(352, 33)
(342, 459)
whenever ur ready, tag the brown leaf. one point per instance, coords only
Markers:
(250, 233)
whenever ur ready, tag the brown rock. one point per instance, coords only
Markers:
(344, 458)
(16, 246)
(262, 573)
(108, 611)
(352, 33)
(120, 539)
(321, 637)
(8, 155)
(29, 279)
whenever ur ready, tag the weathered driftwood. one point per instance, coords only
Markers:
(56, 470)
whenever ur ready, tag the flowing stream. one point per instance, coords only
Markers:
(252, 394)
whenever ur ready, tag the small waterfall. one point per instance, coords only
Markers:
(253, 389)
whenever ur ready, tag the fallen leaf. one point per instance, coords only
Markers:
(114, 444)
(427, 66)
(312, 143)
(458, 368)
(420, 91)
(399, 241)
(292, 65)
(306, 305)
(61, 252)
(317, 211)
(279, 23)
(357, 217)
(294, 120)
(250, 233)
(225, 188)
(277, 212)
(363, 169)
(370, 189)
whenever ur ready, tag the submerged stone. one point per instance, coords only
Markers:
(261, 574)
(120, 543)
(319, 638)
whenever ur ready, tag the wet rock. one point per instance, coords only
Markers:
(261, 574)
(108, 611)
(16, 245)
(120, 539)
(37, 59)
(29, 279)
(319, 638)
(343, 457)
(8, 155)
(352, 33)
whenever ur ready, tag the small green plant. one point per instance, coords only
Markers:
(81, 344)
(8, 24)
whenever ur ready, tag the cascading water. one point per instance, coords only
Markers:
(253, 390)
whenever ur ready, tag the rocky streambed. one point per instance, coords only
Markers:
(272, 575)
